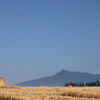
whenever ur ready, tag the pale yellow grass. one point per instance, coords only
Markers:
(49, 93)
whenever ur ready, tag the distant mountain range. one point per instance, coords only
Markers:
(60, 79)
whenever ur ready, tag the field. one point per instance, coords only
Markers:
(49, 93)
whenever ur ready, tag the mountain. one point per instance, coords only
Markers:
(60, 79)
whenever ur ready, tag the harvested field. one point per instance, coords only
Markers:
(49, 93)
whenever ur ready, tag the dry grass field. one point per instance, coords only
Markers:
(49, 93)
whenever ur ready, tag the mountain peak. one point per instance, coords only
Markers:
(64, 71)
(61, 78)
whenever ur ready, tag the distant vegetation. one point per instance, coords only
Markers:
(95, 83)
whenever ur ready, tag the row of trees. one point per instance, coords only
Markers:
(95, 83)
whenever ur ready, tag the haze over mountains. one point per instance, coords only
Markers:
(60, 79)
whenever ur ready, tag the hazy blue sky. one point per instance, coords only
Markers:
(41, 37)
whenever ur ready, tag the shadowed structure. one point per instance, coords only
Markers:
(2, 82)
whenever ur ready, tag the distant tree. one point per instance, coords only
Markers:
(95, 83)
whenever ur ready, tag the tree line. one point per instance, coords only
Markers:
(95, 83)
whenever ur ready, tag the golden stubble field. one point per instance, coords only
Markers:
(49, 93)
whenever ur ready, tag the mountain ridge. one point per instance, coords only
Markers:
(60, 79)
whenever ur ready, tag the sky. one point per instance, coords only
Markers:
(41, 37)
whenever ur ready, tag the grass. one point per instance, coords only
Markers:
(49, 93)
